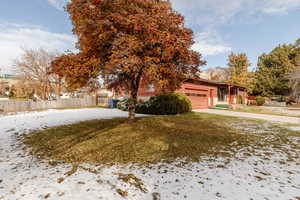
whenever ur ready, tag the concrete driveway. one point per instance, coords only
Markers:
(271, 118)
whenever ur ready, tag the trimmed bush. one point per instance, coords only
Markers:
(260, 101)
(143, 107)
(161, 104)
(165, 104)
(123, 105)
(225, 106)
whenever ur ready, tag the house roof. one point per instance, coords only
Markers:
(213, 82)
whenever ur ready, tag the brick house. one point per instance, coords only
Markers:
(203, 93)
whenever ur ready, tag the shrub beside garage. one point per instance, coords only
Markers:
(123, 105)
(161, 104)
(260, 101)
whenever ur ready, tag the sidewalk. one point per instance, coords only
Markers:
(271, 118)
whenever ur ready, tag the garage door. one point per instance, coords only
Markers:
(199, 98)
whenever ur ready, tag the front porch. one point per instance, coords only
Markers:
(231, 94)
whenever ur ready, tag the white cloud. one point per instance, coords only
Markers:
(208, 12)
(58, 4)
(208, 44)
(207, 16)
(210, 49)
(280, 6)
(13, 37)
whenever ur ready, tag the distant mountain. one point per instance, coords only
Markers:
(216, 73)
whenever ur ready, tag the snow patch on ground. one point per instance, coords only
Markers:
(284, 110)
(265, 174)
(294, 128)
(245, 115)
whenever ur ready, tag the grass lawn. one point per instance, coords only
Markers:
(154, 139)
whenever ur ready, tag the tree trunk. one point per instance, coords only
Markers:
(58, 88)
(134, 87)
(43, 92)
(132, 104)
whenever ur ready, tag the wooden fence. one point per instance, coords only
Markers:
(103, 100)
(29, 105)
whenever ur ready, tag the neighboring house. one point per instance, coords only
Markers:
(104, 92)
(203, 93)
(103, 96)
(8, 80)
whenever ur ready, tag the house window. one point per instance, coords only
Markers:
(150, 88)
(233, 91)
(222, 94)
(195, 95)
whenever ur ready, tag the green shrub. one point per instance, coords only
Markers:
(165, 104)
(143, 107)
(241, 100)
(260, 101)
(222, 106)
(161, 104)
(123, 105)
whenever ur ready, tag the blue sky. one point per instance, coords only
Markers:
(220, 26)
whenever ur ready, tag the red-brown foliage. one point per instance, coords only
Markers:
(129, 40)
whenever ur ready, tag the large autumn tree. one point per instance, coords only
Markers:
(238, 68)
(127, 41)
(274, 69)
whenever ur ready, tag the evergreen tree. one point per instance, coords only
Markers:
(274, 69)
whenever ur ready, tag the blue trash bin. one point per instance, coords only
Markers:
(115, 103)
(110, 103)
